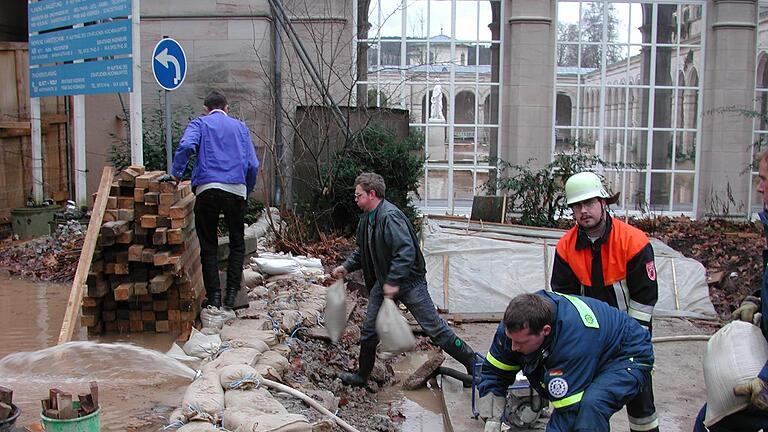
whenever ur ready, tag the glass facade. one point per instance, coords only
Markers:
(628, 89)
(440, 60)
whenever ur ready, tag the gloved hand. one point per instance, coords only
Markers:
(168, 178)
(746, 312)
(491, 407)
(757, 390)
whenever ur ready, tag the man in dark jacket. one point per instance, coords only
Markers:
(609, 260)
(222, 178)
(585, 357)
(393, 266)
(755, 416)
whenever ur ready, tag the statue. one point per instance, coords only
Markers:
(436, 108)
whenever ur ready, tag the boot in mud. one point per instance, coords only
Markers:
(365, 362)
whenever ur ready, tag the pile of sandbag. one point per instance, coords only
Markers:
(285, 305)
(280, 265)
(228, 392)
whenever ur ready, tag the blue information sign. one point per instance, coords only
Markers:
(100, 40)
(51, 14)
(169, 64)
(105, 76)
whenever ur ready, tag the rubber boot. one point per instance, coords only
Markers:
(463, 353)
(365, 366)
(213, 299)
(229, 297)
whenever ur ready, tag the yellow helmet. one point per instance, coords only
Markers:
(585, 185)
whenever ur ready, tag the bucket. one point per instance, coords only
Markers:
(89, 423)
(7, 424)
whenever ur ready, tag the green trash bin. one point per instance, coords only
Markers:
(31, 222)
(89, 423)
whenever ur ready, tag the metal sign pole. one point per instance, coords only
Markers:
(137, 134)
(168, 146)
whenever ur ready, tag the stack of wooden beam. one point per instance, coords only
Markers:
(145, 274)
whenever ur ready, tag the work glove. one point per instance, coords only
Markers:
(746, 312)
(491, 407)
(168, 178)
(757, 390)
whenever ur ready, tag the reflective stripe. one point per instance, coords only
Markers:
(641, 307)
(643, 420)
(499, 365)
(621, 299)
(570, 400)
(637, 427)
(587, 316)
(638, 315)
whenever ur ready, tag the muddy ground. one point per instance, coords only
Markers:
(730, 251)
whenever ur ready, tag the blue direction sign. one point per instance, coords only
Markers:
(100, 40)
(169, 64)
(105, 76)
(50, 14)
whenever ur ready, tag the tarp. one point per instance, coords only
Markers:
(487, 265)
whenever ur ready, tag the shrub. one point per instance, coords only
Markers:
(153, 135)
(374, 149)
(538, 196)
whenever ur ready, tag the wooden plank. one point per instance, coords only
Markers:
(124, 291)
(160, 283)
(183, 207)
(143, 180)
(86, 256)
(134, 252)
(160, 237)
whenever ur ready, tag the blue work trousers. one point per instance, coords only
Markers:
(746, 420)
(608, 393)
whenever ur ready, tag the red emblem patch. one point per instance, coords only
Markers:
(650, 268)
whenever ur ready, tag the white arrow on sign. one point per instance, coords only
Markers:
(163, 57)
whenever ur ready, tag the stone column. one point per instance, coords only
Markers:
(724, 184)
(528, 68)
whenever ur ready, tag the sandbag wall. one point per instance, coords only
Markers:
(145, 274)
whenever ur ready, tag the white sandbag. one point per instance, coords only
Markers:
(734, 356)
(257, 344)
(213, 318)
(198, 426)
(258, 399)
(177, 352)
(245, 331)
(274, 359)
(234, 356)
(239, 376)
(202, 346)
(252, 278)
(277, 266)
(257, 292)
(310, 317)
(204, 399)
(289, 319)
(393, 329)
(336, 310)
(308, 262)
(244, 419)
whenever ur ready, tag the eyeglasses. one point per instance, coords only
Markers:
(358, 195)
(588, 204)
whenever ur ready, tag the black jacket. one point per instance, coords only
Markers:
(397, 258)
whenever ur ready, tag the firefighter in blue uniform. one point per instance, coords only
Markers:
(587, 358)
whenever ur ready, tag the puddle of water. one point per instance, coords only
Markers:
(422, 409)
(133, 382)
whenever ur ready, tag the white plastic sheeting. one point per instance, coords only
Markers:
(489, 265)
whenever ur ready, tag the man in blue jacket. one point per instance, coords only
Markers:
(223, 176)
(587, 358)
(393, 266)
(755, 416)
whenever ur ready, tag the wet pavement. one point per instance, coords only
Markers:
(138, 389)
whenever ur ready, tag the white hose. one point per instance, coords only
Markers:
(309, 401)
(681, 338)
